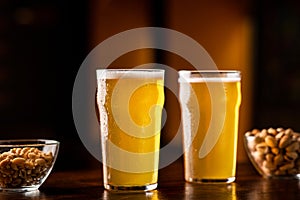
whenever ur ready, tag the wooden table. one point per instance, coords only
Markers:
(87, 184)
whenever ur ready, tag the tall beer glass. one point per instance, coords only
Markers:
(130, 106)
(210, 102)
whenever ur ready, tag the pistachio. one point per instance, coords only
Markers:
(255, 131)
(276, 151)
(284, 141)
(294, 146)
(291, 156)
(263, 133)
(249, 133)
(287, 166)
(278, 159)
(288, 132)
(279, 135)
(279, 129)
(262, 147)
(271, 141)
(279, 173)
(272, 131)
(269, 157)
(269, 165)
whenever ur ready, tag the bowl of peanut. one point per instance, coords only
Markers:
(26, 164)
(275, 153)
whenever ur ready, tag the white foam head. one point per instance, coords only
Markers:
(191, 76)
(129, 73)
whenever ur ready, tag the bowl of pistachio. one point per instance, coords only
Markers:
(26, 164)
(274, 152)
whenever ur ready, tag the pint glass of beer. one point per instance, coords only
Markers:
(130, 103)
(210, 102)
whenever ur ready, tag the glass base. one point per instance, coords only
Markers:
(21, 189)
(145, 188)
(203, 180)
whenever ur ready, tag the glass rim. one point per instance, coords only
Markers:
(132, 70)
(209, 71)
(27, 142)
(209, 75)
(132, 73)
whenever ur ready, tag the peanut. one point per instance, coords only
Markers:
(23, 166)
(32, 155)
(18, 161)
(40, 161)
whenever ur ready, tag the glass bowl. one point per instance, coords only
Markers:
(26, 164)
(275, 153)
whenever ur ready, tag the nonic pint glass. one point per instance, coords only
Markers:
(130, 103)
(210, 102)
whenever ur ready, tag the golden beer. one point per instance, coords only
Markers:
(130, 106)
(210, 104)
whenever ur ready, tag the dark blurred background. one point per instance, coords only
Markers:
(43, 43)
